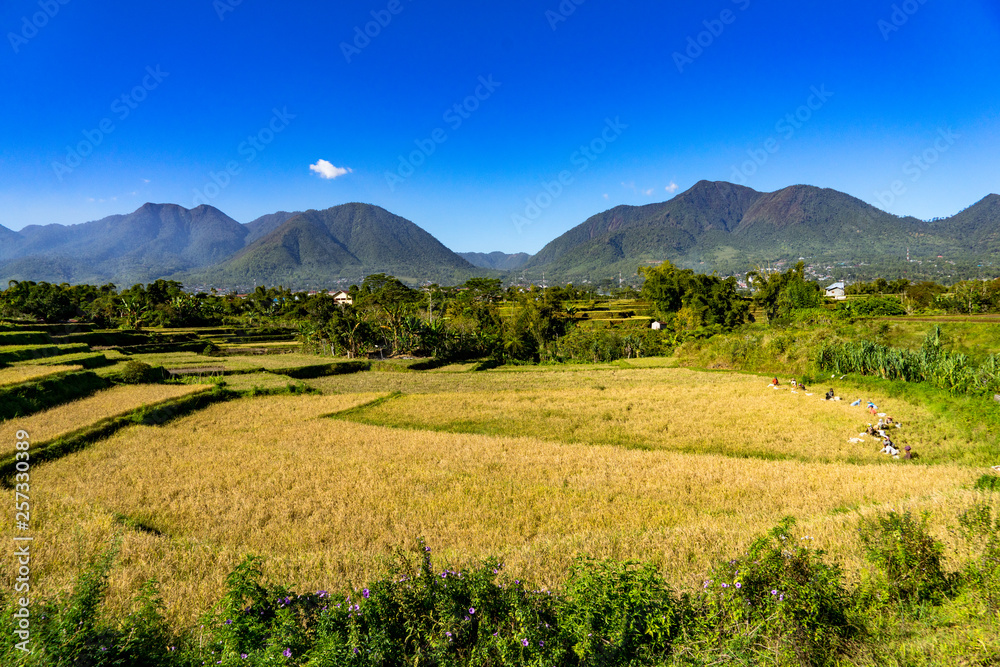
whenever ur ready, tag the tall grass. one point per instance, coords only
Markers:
(954, 372)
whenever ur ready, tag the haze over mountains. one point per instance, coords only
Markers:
(714, 226)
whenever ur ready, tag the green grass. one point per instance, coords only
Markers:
(15, 353)
(12, 338)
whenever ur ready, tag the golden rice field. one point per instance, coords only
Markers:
(670, 409)
(327, 500)
(18, 374)
(52, 423)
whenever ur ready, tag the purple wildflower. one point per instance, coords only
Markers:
(287, 653)
(367, 593)
(524, 642)
(472, 610)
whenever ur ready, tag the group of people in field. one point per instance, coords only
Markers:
(878, 430)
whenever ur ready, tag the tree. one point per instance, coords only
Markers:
(696, 299)
(778, 294)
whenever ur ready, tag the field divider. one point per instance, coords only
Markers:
(154, 414)
(341, 414)
(27, 398)
(150, 415)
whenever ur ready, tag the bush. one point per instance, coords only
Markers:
(875, 306)
(615, 613)
(908, 558)
(137, 372)
(982, 531)
(780, 594)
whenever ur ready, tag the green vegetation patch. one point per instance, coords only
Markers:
(31, 397)
(24, 338)
(16, 353)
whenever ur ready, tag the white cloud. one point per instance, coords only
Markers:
(648, 193)
(672, 188)
(328, 171)
(605, 195)
(145, 180)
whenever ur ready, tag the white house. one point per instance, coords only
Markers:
(656, 326)
(342, 298)
(836, 291)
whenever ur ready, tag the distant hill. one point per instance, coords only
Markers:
(977, 226)
(719, 226)
(500, 261)
(714, 226)
(154, 241)
(343, 243)
(266, 224)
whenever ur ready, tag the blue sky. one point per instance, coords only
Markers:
(565, 108)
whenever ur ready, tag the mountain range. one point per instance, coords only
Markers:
(713, 226)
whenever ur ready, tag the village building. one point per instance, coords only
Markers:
(342, 298)
(836, 291)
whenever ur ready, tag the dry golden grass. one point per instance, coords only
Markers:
(671, 409)
(19, 374)
(50, 424)
(327, 501)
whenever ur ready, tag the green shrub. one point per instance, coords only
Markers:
(616, 612)
(781, 593)
(138, 372)
(907, 558)
(875, 306)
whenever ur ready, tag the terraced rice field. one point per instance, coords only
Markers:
(670, 466)
(18, 374)
(50, 424)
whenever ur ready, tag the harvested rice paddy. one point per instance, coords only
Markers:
(670, 466)
(18, 374)
(50, 424)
